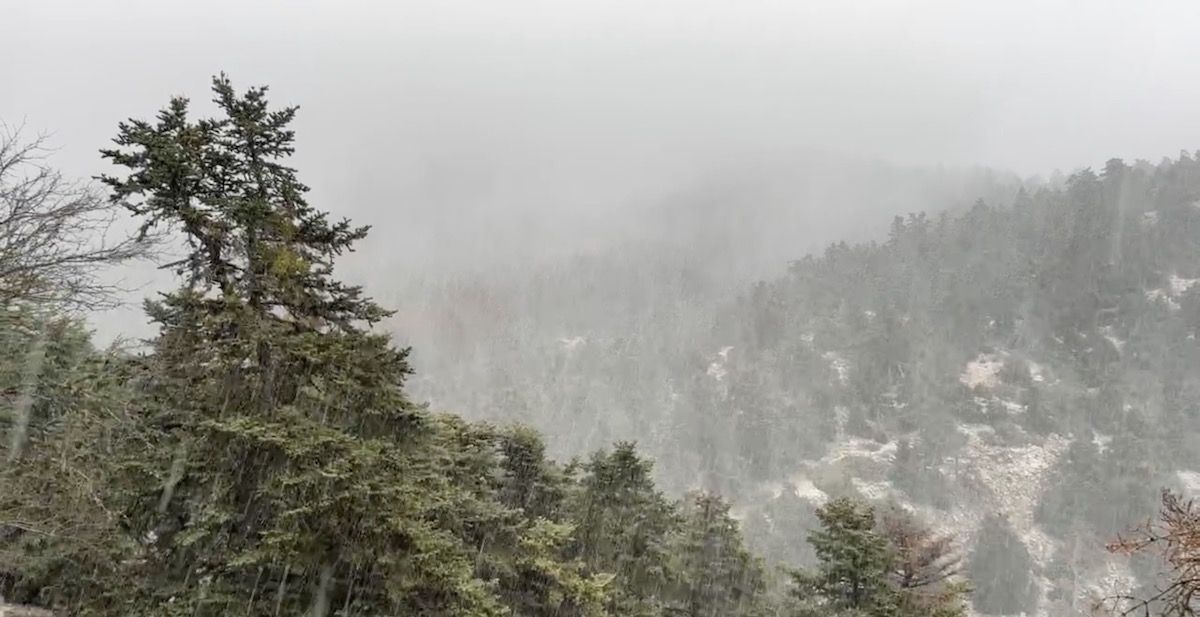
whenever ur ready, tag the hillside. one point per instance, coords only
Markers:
(262, 455)
(981, 399)
(1025, 357)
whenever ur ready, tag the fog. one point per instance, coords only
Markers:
(480, 133)
(671, 222)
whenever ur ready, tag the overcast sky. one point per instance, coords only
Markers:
(510, 107)
(1030, 85)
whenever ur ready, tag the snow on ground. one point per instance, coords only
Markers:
(1176, 286)
(840, 453)
(574, 342)
(839, 366)
(1107, 331)
(862, 448)
(805, 489)
(1115, 579)
(1179, 285)
(1012, 407)
(1190, 481)
(874, 491)
(982, 371)
(1162, 295)
(716, 370)
(1013, 479)
(1008, 480)
(1037, 372)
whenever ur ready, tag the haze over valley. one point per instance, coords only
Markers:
(667, 308)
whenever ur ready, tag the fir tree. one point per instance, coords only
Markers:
(720, 577)
(302, 476)
(853, 560)
(625, 526)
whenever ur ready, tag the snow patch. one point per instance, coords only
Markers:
(1161, 295)
(873, 491)
(716, 370)
(1190, 481)
(861, 448)
(1014, 474)
(805, 489)
(1107, 331)
(1036, 372)
(839, 365)
(1014, 477)
(572, 343)
(1118, 578)
(1012, 407)
(1179, 285)
(983, 371)
(1176, 286)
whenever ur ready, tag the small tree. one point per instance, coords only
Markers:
(925, 566)
(1176, 536)
(854, 560)
(625, 526)
(721, 578)
(894, 567)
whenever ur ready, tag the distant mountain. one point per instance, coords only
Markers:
(1029, 356)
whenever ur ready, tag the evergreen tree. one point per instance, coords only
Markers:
(853, 561)
(302, 477)
(720, 578)
(894, 567)
(625, 527)
(62, 545)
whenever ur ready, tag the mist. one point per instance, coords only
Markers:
(476, 134)
(675, 274)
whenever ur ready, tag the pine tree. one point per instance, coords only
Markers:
(894, 567)
(853, 561)
(625, 526)
(720, 578)
(300, 475)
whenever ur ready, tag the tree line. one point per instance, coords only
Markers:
(264, 458)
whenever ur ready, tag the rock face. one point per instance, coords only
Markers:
(988, 474)
(1005, 480)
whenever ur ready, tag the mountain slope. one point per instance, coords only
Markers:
(1026, 358)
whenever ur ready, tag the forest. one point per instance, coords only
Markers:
(795, 449)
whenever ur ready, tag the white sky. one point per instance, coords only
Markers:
(516, 108)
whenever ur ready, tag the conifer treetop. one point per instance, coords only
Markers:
(250, 233)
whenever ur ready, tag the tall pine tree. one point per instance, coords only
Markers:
(300, 476)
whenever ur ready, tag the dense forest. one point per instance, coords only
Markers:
(1017, 367)
(796, 448)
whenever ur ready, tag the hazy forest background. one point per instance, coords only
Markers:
(592, 339)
